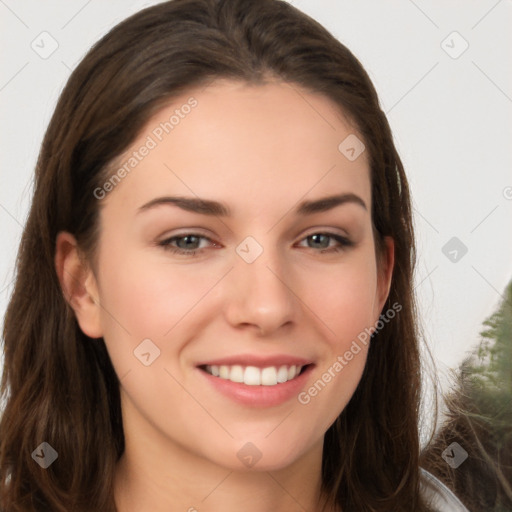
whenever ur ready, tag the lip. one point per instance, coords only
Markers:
(258, 360)
(258, 396)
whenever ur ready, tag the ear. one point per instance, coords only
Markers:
(78, 285)
(385, 273)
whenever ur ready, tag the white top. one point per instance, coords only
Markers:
(438, 495)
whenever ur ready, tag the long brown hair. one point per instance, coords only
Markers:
(60, 386)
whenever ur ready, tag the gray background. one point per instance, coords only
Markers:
(450, 116)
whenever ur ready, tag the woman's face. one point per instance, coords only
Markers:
(268, 276)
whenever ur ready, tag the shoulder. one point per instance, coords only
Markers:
(438, 495)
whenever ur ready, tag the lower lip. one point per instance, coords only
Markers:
(259, 396)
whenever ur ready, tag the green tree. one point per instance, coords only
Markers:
(479, 419)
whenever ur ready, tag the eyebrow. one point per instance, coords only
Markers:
(214, 208)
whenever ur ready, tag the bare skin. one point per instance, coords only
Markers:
(261, 151)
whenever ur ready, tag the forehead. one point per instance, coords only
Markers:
(270, 144)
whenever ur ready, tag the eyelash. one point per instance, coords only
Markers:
(166, 244)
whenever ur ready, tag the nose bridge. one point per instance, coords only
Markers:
(260, 294)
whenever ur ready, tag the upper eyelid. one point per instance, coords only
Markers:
(335, 230)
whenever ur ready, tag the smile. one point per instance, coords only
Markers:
(254, 376)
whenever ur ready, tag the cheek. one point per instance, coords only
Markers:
(150, 297)
(142, 299)
(344, 302)
(343, 298)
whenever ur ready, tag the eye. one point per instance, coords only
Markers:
(322, 241)
(186, 244)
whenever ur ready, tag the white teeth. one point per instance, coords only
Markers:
(236, 374)
(282, 374)
(224, 372)
(269, 376)
(253, 376)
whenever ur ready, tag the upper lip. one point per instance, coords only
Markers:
(258, 360)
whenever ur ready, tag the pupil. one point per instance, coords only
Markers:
(189, 238)
(316, 239)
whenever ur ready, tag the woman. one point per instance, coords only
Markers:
(213, 307)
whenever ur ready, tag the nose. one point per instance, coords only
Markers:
(260, 296)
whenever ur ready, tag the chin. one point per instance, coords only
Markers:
(263, 455)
